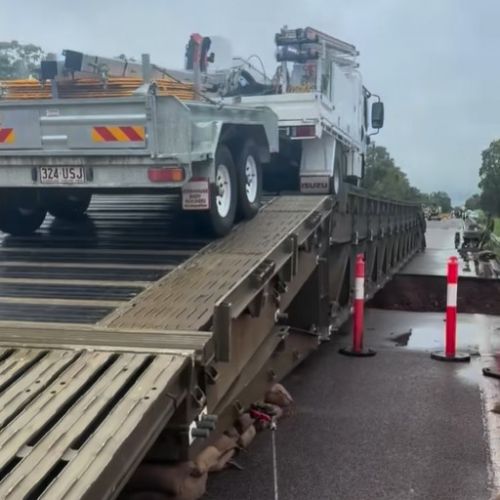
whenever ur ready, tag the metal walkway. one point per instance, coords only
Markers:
(185, 299)
(69, 419)
(79, 273)
(79, 406)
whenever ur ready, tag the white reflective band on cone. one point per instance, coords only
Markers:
(359, 288)
(451, 296)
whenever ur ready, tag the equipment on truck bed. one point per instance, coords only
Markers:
(302, 45)
(86, 88)
(77, 64)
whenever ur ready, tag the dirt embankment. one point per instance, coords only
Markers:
(428, 294)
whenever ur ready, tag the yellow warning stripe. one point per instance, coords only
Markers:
(7, 136)
(118, 134)
(95, 136)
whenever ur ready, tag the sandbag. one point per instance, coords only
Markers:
(225, 443)
(174, 480)
(192, 488)
(233, 433)
(223, 460)
(278, 395)
(207, 459)
(247, 437)
(244, 422)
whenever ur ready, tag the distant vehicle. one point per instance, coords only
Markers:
(433, 212)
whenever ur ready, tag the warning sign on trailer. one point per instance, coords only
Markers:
(196, 195)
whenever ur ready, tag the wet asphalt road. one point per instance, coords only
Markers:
(440, 238)
(394, 427)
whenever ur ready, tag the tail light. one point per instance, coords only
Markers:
(166, 174)
(303, 131)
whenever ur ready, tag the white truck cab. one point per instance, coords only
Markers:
(322, 107)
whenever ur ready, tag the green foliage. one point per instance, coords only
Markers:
(441, 199)
(474, 202)
(489, 175)
(18, 60)
(383, 178)
(496, 227)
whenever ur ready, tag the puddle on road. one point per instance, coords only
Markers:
(414, 308)
(475, 337)
(476, 333)
(471, 373)
(430, 337)
(402, 339)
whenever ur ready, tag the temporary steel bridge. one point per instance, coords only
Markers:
(118, 332)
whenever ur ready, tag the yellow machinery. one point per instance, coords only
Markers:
(92, 88)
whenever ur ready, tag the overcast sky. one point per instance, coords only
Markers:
(435, 62)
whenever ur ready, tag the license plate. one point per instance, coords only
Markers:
(61, 175)
(196, 195)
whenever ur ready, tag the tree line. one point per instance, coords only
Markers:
(19, 60)
(488, 199)
(385, 179)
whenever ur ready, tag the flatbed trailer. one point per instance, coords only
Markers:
(118, 334)
(56, 153)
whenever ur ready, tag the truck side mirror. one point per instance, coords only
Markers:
(377, 115)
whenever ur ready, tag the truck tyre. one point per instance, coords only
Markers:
(249, 170)
(20, 215)
(223, 194)
(69, 205)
